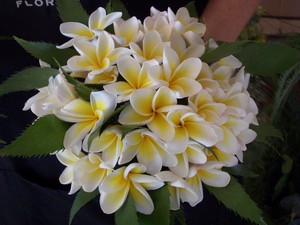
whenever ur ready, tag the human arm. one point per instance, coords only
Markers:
(226, 19)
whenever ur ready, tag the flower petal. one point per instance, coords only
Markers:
(148, 156)
(130, 117)
(129, 68)
(96, 17)
(114, 182)
(179, 142)
(195, 153)
(182, 167)
(128, 153)
(103, 101)
(74, 29)
(150, 41)
(141, 101)
(162, 127)
(163, 97)
(77, 133)
(109, 19)
(142, 199)
(105, 45)
(147, 182)
(202, 133)
(229, 144)
(189, 68)
(214, 177)
(170, 61)
(111, 202)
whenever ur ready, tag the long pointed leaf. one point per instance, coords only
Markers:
(268, 59)
(235, 198)
(117, 6)
(27, 79)
(82, 198)
(177, 216)
(161, 213)
(43, 137)
(127, 213)
(191, 7)
(225, 49)
(71, 11)
(287, 82)
(46, 52)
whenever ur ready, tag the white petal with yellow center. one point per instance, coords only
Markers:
(116, 186)
(229, 144)
(211, 175)
(98, 20)
(87, 172)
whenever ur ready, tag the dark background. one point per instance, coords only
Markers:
(30, 193)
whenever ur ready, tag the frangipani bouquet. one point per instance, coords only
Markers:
(143, 113)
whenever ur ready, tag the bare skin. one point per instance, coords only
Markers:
(225, 19)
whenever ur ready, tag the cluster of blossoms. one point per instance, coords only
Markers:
(163, 117)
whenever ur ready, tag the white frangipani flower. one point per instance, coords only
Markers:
(136, 77)
(97, 58)
(187, 26)
(98, 20)
(110, 144)
(148, 149)
(89, 171)
(68, 158)
(189, 125)
(127, 31)
(183, 50)
(179, 77)
(205, 106)
(180, 190)
(194, 153)
(115, 188)
(209, 173)
(149, 107)
(159, 23)
(57, 94)
(152, 47)
(87, 116)
(215, 155)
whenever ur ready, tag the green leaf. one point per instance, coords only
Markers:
(127, 213)
(2, 115)
(235, 198)
(5, 38)
(265, 131)
(84, 92)
(127, 129)
(72, 11)
(161, 213)
(46, 52)
(287, 165)
(268, 59)
(280, 185)
(2, 142)
(43, 137)
(240, 170)
(177, 215)
(192, 9)
(117, 6)
(286, 84)
(225, 49)
(82, 198)
(27, 79)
